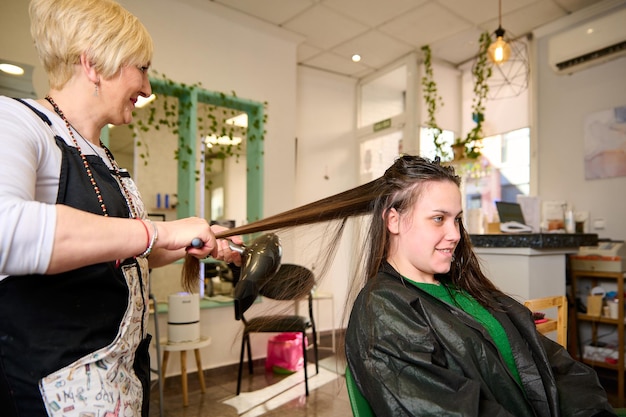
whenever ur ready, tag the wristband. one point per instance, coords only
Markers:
(151, 241)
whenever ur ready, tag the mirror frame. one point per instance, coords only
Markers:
(189, 97)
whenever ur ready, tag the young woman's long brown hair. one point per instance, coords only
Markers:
(398, 188)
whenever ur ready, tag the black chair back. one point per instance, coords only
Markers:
(290, 282)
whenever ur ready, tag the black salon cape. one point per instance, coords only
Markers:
(414, 355)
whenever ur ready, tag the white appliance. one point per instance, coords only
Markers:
(609, 256)
(511, 218)
(515, 227)
(589, 43)
(183, 321)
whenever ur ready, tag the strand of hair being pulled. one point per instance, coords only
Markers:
(354, 202)
(190, 273)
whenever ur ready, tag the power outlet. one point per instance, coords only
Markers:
(599, 224)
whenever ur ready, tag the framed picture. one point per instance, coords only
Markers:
(605, 144)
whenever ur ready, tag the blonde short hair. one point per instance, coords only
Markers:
(110, 35)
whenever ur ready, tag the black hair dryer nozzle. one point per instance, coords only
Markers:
(261, 260)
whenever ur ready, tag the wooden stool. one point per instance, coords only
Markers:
(183, 347)
(321, 296)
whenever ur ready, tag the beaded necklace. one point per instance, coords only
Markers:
(116, 169)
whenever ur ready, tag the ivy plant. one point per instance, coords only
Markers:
(481, 72)
(211, 120)
(433, 101)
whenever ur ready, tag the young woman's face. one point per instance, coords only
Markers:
(121, 92)
(423, 239)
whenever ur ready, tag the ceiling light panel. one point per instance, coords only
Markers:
(336, 28)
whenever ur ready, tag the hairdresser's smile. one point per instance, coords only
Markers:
(123, 90)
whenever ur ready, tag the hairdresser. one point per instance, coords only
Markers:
(75, 243)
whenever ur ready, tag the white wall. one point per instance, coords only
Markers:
(327, 163)
(562, 104)
(448, 81)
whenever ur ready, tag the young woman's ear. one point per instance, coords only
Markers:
(393, 221)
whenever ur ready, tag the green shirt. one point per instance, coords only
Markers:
(472, 307)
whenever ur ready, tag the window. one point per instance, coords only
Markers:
(500, 174)
(427, 143)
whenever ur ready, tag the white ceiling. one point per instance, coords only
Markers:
(382, 31)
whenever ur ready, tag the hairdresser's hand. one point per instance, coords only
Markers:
(224, 252)
(179, 234)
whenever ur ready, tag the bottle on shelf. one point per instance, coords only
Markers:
(570, 224)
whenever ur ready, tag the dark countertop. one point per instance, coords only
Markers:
(535, 240)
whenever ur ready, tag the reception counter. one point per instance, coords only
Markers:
(529, 265)
(535, 240)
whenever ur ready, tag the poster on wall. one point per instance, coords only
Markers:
(605, 143)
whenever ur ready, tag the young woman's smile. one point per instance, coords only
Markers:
(423, 238)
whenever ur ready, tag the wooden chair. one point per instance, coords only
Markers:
(558, 325)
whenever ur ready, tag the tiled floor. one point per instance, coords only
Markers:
(328, 400)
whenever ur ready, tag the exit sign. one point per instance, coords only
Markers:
(383, 124)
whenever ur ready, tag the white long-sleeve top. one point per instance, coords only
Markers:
(30, 164)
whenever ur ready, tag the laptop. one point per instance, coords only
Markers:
(512, 218)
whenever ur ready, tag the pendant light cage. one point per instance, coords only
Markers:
(510, 78)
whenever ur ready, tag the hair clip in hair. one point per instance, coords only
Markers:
(437, 160)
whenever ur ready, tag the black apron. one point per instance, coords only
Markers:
(48, 322)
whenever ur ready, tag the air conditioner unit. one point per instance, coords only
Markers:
(588, 44)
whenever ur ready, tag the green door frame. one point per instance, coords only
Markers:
(189, 97)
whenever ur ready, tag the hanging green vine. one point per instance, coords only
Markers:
(433, 101)
(214, 121)
(481, 72)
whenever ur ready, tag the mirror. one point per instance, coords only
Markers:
(150, 147)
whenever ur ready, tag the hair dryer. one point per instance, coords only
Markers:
(261, 260)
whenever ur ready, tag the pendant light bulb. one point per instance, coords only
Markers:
(499, 51)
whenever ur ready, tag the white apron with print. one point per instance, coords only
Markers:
(103, 383)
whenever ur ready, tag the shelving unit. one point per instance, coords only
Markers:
(596, 278)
